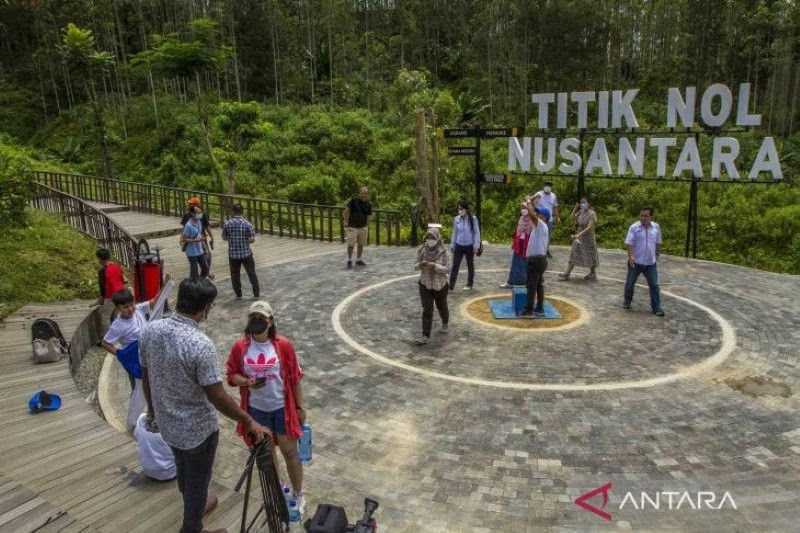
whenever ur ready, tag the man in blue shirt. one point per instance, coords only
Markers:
(644, 246)
(240, 233)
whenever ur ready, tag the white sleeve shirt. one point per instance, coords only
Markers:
(643, 241)
(539, 240)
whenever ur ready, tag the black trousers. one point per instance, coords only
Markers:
(535, 283)
(458, 253)
(236, 272)
(194, 476)
(429, 297)
(198, 263)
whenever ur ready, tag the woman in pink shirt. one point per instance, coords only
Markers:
(518, 274)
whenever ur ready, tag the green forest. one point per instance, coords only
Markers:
(305, 100)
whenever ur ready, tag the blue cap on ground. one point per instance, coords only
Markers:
(44, 401)
(544, 212)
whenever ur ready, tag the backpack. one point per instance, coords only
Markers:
(47, 341)
(327, 519)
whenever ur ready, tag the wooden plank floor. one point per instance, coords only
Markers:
(70, 470)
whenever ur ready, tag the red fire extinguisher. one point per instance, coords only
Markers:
(148, 272)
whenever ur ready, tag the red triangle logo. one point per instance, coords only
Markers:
(582, 501)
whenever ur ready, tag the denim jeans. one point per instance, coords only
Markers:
(458, 253)
(194, 476)
(651, 275)
(198, 266)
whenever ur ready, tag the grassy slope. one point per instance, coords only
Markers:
(45, 261)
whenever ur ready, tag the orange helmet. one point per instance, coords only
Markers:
(194, 200)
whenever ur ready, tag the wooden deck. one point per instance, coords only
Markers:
(70, 470)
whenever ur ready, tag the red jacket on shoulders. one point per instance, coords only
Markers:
(291, 374)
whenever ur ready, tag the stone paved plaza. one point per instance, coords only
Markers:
(490, 429)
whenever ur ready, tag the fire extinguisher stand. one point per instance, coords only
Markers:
(148, 272)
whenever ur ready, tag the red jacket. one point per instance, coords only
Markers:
(112, 279)
(520, 244)
(291, 374)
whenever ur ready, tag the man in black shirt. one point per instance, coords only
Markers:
(356, 220)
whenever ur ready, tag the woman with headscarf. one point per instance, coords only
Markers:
(264, 366)
(518, 274)
(584, 243)
(432, 262)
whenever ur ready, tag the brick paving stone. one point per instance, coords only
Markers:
(446, 456)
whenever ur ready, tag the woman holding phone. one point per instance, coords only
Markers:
(264, 366)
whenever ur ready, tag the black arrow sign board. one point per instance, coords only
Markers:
(462, 150)
(496, 178)
(460, 133)
(498, 132)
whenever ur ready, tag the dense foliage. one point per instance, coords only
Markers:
(45, 261)
(306, 100)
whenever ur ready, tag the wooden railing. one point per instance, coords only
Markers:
(290, 219)
(87, 220)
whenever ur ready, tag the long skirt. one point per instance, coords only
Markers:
(518, 275)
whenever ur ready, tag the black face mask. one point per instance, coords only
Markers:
(257, 325)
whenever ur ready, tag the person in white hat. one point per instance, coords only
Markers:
(433, 264)
(264, 366)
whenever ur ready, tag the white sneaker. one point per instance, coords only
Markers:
(466, 288)
(421, 340)
(505, 286)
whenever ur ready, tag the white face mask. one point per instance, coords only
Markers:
(462, 212)
(548, 189)
(584, 206)
(198, 216)
(430, 243)
(524, 212)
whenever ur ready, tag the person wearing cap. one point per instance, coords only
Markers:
(264, 366)
(194, 206)
(536, 254)
(432, 262)
(549, 201)
(192, 239)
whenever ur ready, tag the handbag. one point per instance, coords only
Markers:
(480, 250)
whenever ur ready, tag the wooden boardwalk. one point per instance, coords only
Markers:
(70, 470)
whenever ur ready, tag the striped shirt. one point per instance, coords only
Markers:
(238, 232)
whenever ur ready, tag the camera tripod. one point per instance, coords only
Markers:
(276, 514)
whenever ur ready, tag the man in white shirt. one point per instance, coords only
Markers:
(548, 200)
(644, 246)
(536, 254)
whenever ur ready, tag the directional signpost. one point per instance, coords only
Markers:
(477, 134)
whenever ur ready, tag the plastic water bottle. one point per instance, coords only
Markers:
(287, 493)
(304, 445)
(294, 512)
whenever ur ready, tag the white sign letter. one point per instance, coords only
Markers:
(725, 104)
(569, 151)
(628, 157)
(726, 150)
(621, 108)
(561, 117)
(543, 100)
(538, 163)
(599, 158)
(582, 99)
(676, 106)
(689, 159)
(742, 117)
(662, 143)
(767, 160)
(602, 109)
(518, 154)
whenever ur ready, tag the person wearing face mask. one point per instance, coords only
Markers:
(193, 205)
(584, 244)
(536, 255)
(183, 391)
(549, 201)
(264, 366)
(518, 274)
(465, 243)
(192, 237)
(432, 262)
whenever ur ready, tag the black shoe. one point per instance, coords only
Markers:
(626, 306)
(238, 296)
(349, 264)
(660, 312)
(360, 263)
(527, 312)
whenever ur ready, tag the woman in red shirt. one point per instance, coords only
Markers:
(265, 368)
(518, 274)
